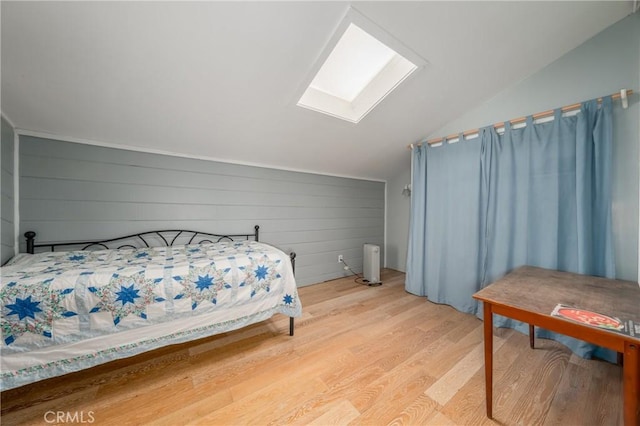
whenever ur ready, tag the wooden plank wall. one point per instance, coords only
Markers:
(7, 219)
(71, 191)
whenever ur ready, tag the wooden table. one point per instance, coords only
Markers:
(530, 294)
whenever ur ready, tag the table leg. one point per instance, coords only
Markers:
(488, 357)
(532, 335)
(631, 383)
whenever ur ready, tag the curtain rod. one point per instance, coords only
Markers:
(622, 94)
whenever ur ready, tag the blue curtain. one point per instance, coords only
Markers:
(538, 195)
(443, 260)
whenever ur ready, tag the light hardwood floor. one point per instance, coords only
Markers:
(360, 355)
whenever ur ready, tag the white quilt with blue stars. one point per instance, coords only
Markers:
(66, 311)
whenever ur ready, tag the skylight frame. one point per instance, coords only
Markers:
(356, 110)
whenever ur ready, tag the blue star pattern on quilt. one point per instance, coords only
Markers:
(137, 257)
(203, 284)
(126, 295)
(32, 309)
(260, 274)
(24, 308)
(77, 258)
(196, 252)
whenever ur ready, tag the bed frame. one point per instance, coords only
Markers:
(164, 238)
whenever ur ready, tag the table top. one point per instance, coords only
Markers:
(539, 290)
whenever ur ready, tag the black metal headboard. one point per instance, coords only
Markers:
(143, 239)
(149, 239)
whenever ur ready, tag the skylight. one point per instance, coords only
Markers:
(352, 65)
(358, 71)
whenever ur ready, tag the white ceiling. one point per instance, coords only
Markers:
(219, 79)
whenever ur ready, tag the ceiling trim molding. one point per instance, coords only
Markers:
(8, 120)
(44, 135)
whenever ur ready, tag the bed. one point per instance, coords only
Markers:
(73, 305)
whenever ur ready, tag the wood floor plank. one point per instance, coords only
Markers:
(467, 406)
(382, 399)
(192, 410)
(449, 384)
(360, 355)
(418, 412)
(608, 409)
(126, 409)
(34, 414)
(437, 418)
(254, 409)
(350, 385)
(532, 407)
(313, 364)
(569, 403)
(337, 414)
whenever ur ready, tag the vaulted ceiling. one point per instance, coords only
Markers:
(219, 80)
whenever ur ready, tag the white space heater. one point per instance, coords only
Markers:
(371, 264)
